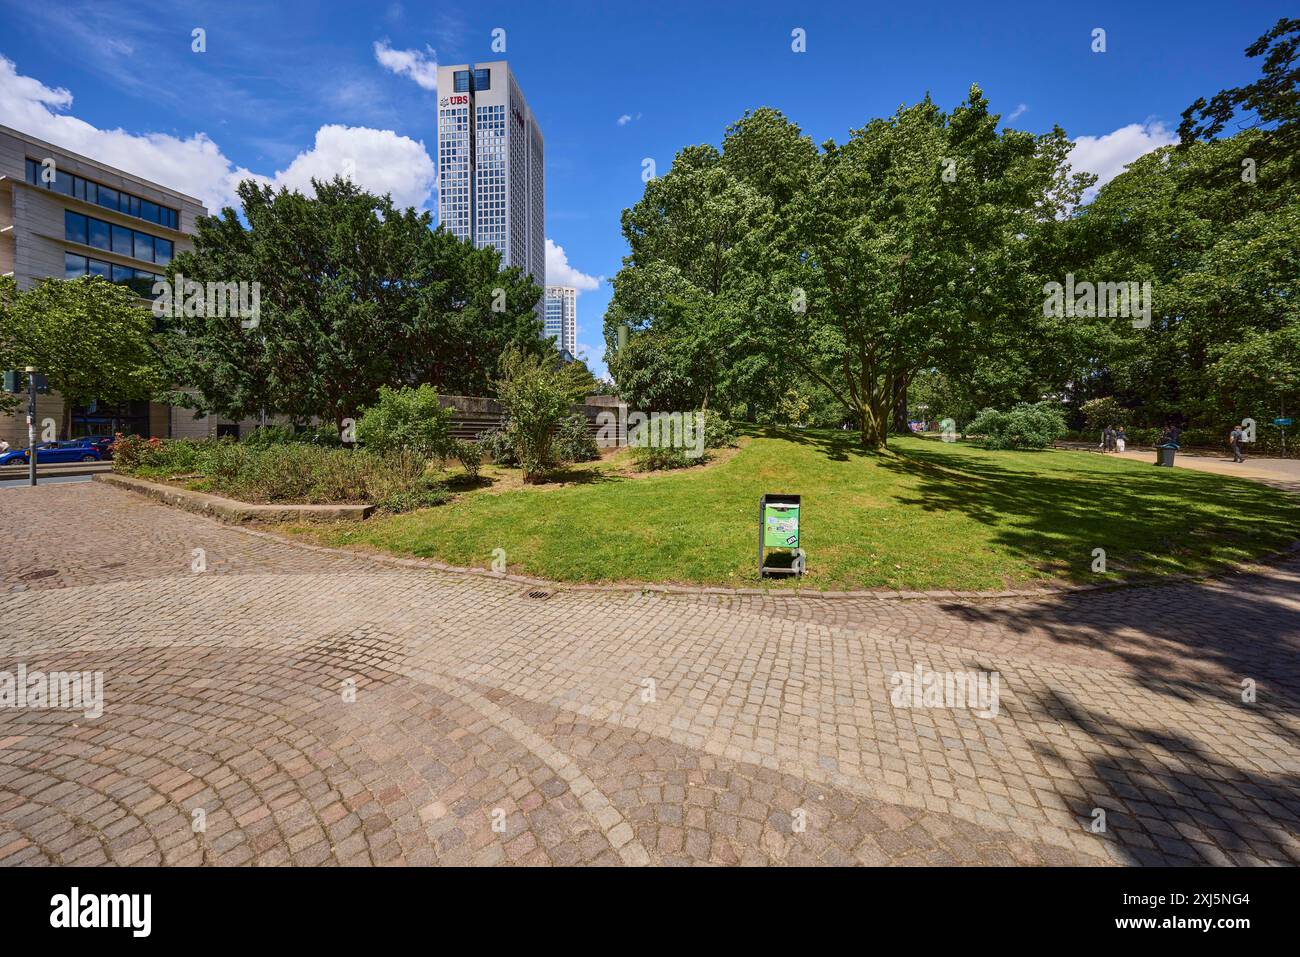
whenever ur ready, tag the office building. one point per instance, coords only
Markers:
(490, 169)
(560, 317)
(64, 215)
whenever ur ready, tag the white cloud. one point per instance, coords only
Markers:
(627, 118)
(422, 67)
(1107, 155)
(1018, 112)
(560, 273)
(377, 160)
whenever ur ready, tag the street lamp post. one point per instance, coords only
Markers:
(31, 424)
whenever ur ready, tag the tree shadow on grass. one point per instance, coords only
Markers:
(1147, 523)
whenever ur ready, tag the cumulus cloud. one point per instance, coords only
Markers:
(560, 273)
(417, 65)
(1107, 155)
(377, 160)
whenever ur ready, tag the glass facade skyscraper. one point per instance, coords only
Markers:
(561, 317)
(491, 188)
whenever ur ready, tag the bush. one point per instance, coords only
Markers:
(497, 446)
(1099, 413)
(573, 440)
(406, 420)
(271, 435)
(1025, 426)
(653, 458)
(719, 432)
(470, 456)
(537, 391)
(129, 451)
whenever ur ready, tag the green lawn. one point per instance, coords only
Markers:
(924, 515)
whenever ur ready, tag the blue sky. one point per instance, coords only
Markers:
(289, 90)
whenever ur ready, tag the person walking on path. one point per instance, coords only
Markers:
(1234, 440)
(1121, 439)
(1108, 439)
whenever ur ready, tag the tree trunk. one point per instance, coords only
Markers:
(900, 407)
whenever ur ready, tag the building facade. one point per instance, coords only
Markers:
(64, 215)
(560, 317)
(491, 183)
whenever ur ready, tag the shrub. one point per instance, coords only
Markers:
(537, 391)
(719, 432)
(408, 420)
(573, 440)
(1025, 426)
(1099, 413)
(497, 446)
(470, 456)
(129, 451)
(271, 435)
(653, 458)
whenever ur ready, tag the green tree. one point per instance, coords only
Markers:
(9, 402)
(354, 294)
(90, 338)
(912, 249)
(537, 393)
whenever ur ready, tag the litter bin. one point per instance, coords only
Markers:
(1165, 455)
(778, 527)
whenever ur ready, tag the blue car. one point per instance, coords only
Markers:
(51, 453)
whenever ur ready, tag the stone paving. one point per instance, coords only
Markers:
(293, 705)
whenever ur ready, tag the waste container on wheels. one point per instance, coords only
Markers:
(1165, 455)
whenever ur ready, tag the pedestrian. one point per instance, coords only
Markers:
(1121, 439)
(1108, 439)
(1234, 440)
(4, 446)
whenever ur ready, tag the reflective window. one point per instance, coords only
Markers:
(144, 246)
(98, 234)
(107, 197)
(461, 81)
(92, 192)
(97, 268)
(123, 274)
(162, 251)
(74, 227)
(483, 79)
(122, 240)
(73, 265)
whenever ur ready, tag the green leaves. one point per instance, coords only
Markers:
(91, 338)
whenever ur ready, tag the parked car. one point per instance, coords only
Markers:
(51, 453)
(102, 443)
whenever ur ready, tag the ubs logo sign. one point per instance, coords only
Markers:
(453, 100)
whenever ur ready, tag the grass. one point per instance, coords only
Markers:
(923, 515)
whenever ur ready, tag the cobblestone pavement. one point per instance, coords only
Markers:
(290, 705)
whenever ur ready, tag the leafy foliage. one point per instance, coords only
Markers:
(1025, 426)
(574, 441)
(407, 420)
(537, 393)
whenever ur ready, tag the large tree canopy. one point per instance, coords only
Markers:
(354, 294)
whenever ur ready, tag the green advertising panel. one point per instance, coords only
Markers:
(780, 526)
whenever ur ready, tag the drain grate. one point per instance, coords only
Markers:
(540, 595)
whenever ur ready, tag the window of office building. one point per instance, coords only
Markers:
(118, 239)
(81, 188)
